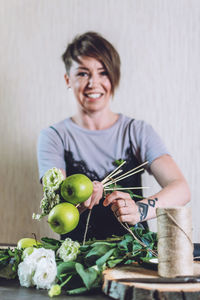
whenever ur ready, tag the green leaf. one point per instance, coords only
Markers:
(89, 276)
(102, 260)
(98, 250)
(77, 291)
(112, 263)
(136, 246)
(7, 272)
(65, 268)
(50, 243)
(118, 162)
(101, 243)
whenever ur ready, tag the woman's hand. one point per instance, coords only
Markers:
(94, 198)
(123, 206)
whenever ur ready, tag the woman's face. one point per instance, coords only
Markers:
(90, 83)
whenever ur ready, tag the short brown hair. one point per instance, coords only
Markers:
(92, 44)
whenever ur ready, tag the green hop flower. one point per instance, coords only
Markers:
(55, 290)
(68, 250)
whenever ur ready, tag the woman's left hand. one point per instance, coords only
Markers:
(95, 197)
(123, 206)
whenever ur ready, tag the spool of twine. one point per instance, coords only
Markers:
(175, 247)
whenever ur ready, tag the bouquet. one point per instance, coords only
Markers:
(66, 265)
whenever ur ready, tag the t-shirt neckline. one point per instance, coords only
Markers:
(96, 131)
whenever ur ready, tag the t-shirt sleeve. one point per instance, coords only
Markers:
(147, 143)
(50, 151)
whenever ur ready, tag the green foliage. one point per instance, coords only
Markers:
(85, 273)
(50, 243)
(9, 260)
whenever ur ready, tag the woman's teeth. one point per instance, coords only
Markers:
(93, 96)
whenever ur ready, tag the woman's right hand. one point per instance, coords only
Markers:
(94, 198)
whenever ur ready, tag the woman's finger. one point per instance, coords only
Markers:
(97, 194)
(115, 196)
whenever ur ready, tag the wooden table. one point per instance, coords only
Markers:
(11, 290)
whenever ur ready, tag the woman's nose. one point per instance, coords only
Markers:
(93, 80)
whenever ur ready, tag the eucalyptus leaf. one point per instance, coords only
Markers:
(102, 260)
(89, 275)
(98, 250)
(112, 263)
(65, 268)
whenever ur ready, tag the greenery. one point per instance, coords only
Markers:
(85, 272)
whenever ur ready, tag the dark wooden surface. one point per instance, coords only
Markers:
(118, 288)
(11, 290)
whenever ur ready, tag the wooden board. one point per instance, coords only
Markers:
(147, 291)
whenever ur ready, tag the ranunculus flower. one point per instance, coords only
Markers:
(52, 179)
(68, 250)
(39, 269)
(55, 290)
(25, 273)
(45, 274)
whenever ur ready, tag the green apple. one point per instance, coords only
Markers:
(76, 188)
(27, 242)
(63, 218)
(27, 252)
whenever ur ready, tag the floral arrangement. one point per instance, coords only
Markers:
(71, 267)
(68, 266)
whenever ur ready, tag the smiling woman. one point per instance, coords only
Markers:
(95, 138)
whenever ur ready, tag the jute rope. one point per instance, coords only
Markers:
(175, 247)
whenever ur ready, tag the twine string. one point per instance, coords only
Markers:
(89, 214)
(177, 225)
(126, 226)
(175, 247)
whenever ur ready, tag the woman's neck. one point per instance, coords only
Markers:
(95, 121)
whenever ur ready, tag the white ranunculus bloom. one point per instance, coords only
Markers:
(25, 273)
(39, 253)
(39, 268)
(45, 274)
(68, 250)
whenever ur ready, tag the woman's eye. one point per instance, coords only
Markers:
(104, 73)
(82, 74)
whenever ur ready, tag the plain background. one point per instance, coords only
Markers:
(159, 45)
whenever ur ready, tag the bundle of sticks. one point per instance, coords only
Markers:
(110, 179)
(108, 182)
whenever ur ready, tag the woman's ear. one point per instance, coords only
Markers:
(67, 80)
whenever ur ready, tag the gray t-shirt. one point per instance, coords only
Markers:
(67, 146)
(75, 149)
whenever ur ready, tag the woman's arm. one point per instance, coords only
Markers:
(174, 192)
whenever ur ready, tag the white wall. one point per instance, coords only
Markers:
(159, 45)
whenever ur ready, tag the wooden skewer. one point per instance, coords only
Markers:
(109, 178)
(136, 168)
(109, 175)
(126, 188)
(146, 162)
(127, 174)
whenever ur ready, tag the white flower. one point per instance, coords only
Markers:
(68, 250)
(39, 268)
(52, 179)
(45, 274)
(39, 253)
(36, 216)
(25, 273)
